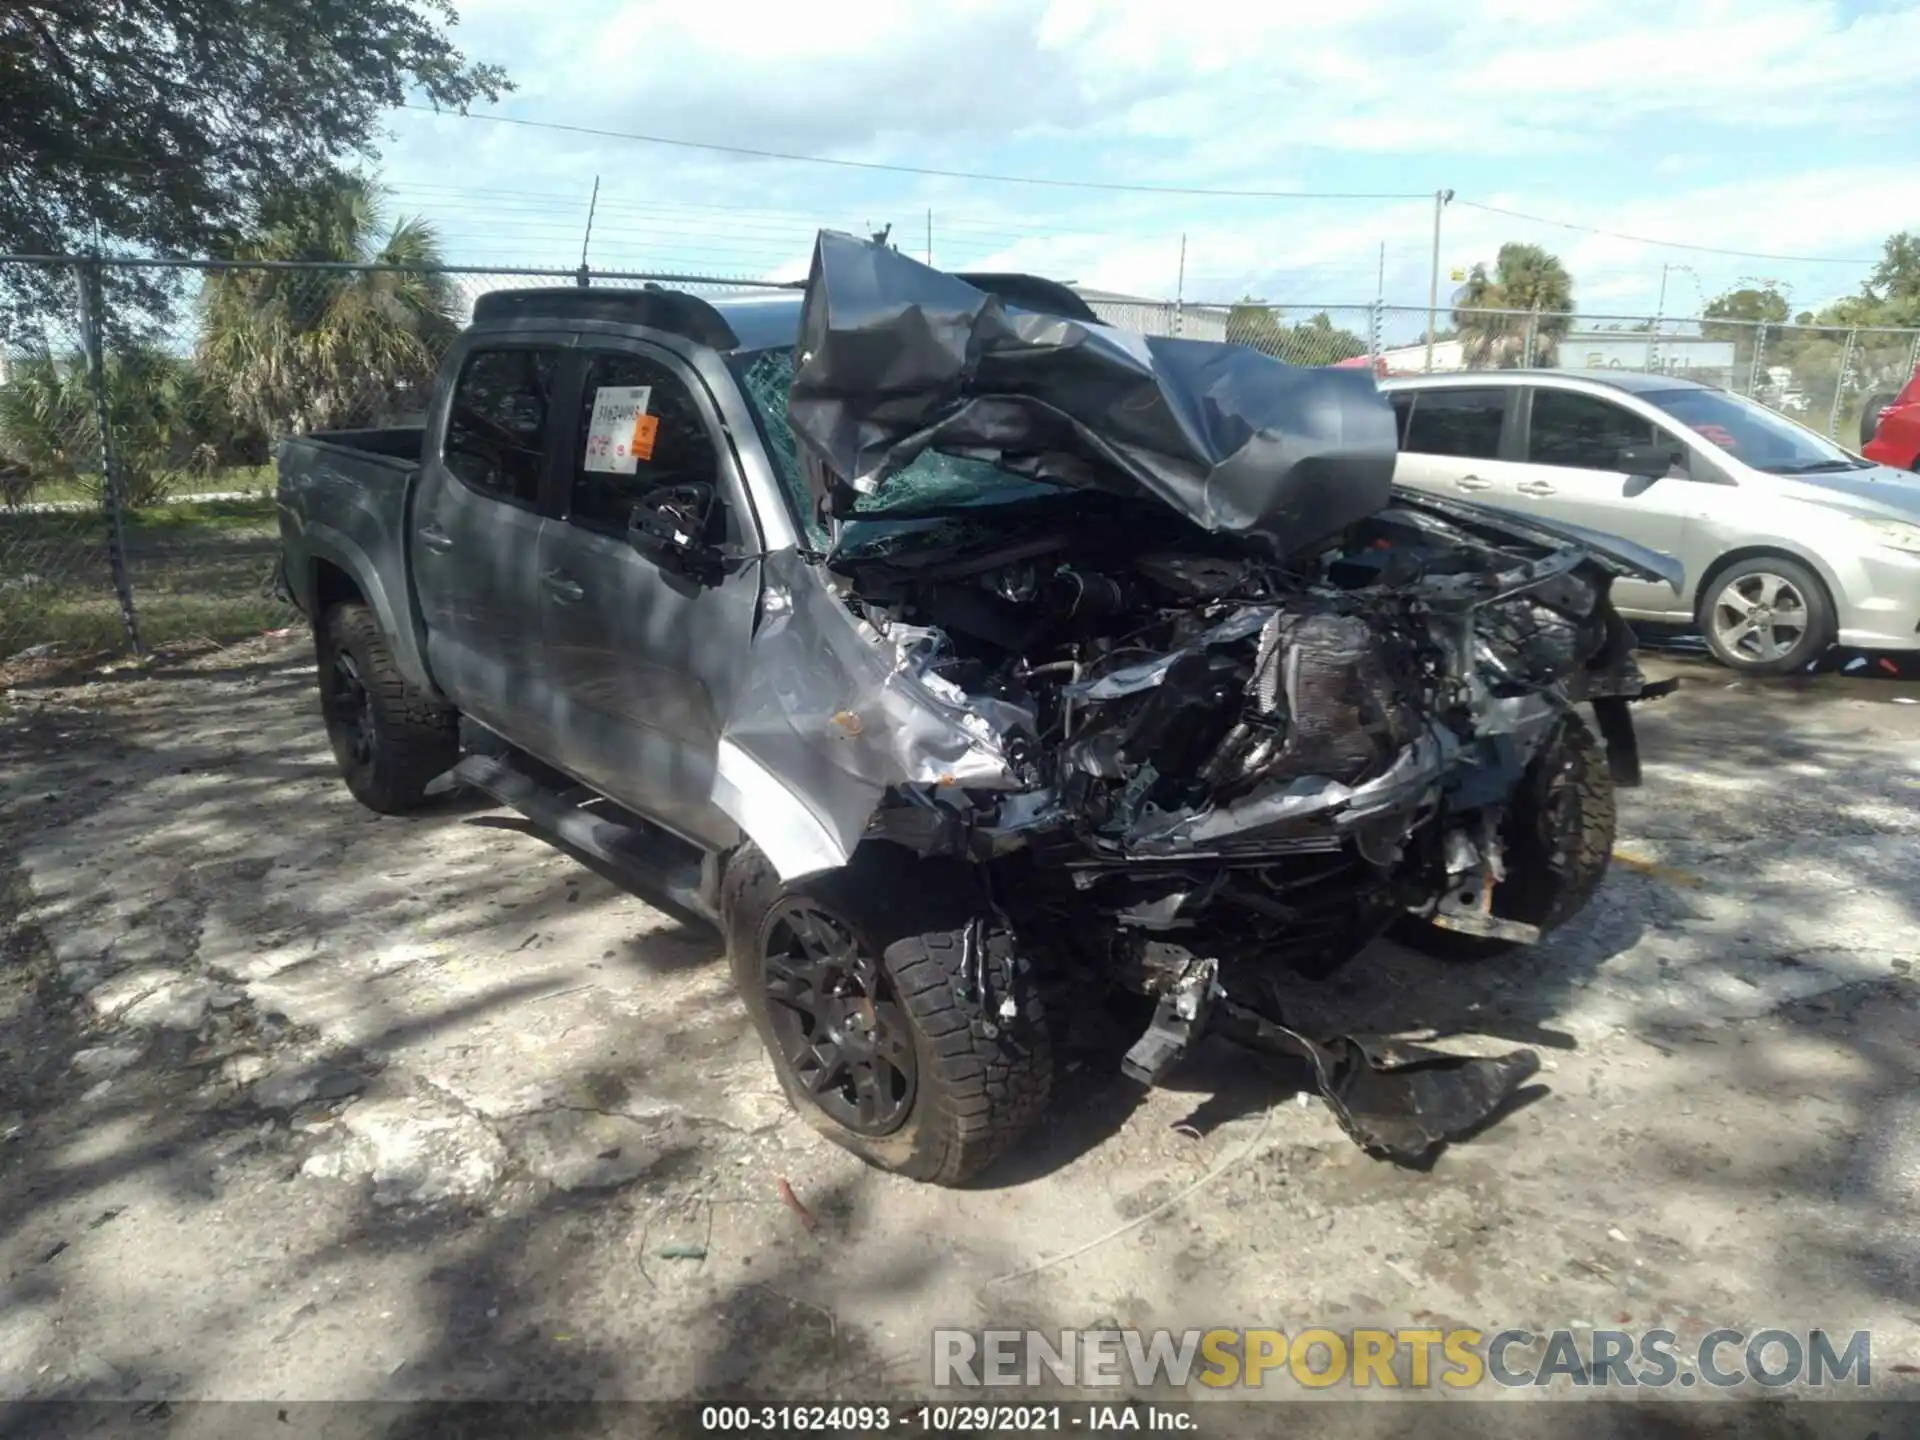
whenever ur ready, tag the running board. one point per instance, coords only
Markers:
(640, 856)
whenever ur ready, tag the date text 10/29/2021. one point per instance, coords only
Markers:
(945, 1419)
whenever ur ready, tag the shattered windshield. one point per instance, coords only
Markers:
(933, 482)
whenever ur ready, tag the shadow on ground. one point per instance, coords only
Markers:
(193, 822)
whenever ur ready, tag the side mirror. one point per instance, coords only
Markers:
(671, 525)
(1650, 462)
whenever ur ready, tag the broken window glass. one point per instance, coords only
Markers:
(933, 481)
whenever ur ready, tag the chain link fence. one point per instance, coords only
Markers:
(1828, 378)
(139, 404)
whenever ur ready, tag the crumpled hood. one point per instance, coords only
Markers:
(896, 358)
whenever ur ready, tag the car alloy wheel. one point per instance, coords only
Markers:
(836, 1020)
(1760, 617)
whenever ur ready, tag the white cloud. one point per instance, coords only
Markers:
(1708, 121)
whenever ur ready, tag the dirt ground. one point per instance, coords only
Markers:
(298, 1103)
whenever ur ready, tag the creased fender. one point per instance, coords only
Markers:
(833, 715)
(324, 542)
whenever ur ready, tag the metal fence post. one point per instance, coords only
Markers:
(1840, 383)
(1757, 366)
(93, 346)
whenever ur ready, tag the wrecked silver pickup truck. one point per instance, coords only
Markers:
(969, 662)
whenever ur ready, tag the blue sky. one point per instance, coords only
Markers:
(1782, 126)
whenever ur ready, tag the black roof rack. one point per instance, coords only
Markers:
(674, 311)
(1032, 292)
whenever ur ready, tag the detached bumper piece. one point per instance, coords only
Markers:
(1398, 1102)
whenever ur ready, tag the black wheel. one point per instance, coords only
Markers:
(1766, 616)
(390, 739)
(898, 1018)
(1558, 839)
(1870, 416)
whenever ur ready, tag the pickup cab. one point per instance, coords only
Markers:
(967, 661)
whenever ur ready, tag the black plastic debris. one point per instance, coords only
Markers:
(1397, 1101)
(897, 358)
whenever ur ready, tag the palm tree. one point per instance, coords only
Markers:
(1526, 278)
(298, 350)
(160, 414)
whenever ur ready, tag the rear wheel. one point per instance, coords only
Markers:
(1767, 615)
(1870, 416)
(898, 1019)
(391, 739)
(1558, 839)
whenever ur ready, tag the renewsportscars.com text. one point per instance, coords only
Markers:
(1461, 1359)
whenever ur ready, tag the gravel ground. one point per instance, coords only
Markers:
(302, 1104)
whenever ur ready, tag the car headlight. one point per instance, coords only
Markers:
(1894, 534)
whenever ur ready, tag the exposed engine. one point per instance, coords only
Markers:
(1283, 754)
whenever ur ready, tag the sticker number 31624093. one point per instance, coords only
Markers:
(621, 432)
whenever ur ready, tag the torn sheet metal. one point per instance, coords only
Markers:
(833, 714)
(1146, 674)
(1413, 777)
(1610, 552)
(1397, 1101)
(896, 358)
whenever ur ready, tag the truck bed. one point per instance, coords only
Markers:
(344, 498)
(400, 442)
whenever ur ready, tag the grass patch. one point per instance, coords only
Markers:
(199, 572)
(255, 512)
(234, 479)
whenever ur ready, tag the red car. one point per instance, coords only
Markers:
(1890, 429)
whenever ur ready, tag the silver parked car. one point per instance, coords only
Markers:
(1789, 542)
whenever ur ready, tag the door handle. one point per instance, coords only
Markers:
(1472, 482)
(561, 588)
(1534, 487)
(434, 538)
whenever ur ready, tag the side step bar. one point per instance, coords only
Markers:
(641, 857)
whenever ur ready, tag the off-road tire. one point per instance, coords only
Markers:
(416, 738)
(1555, 859)
(983, 1077)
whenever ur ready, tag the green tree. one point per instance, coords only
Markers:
(1314, 341)
(1735, 318)
(1524, 278)
(1741, 310)
(165, 125)
(1809, 362)
(164, 422)
(296, 350)
(1895, 282)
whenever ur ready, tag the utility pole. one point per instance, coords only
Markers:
(1659, 310)
(1180, 289)
(593, 204)
(929, 235)
(1379, 308)
(1660, 307)
(1440, 199)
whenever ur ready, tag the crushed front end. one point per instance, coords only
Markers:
(1195, 726)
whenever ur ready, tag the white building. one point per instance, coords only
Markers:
(1155, 317)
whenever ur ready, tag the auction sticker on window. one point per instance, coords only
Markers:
(621, 431)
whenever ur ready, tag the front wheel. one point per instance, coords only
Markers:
(1557, 836)
(391, 739)
(1767, 616)
(899, 1020)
